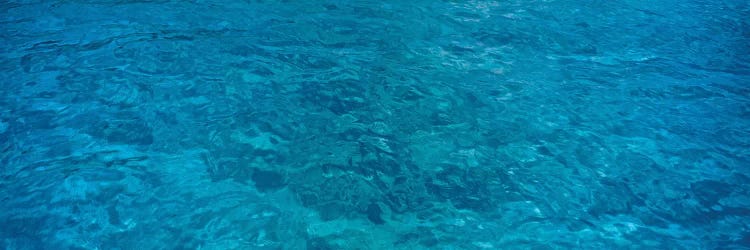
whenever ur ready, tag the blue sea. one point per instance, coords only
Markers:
(534, 124)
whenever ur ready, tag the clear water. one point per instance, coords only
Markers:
(370, 125)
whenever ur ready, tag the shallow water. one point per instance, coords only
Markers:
(368, 125)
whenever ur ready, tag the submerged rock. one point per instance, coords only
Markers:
(268, 180)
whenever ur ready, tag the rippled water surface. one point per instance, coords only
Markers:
(375, 125)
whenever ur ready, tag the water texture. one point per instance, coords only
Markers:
(375, 125)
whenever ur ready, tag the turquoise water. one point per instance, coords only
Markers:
(375, 125)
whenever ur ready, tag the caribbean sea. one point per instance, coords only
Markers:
(539, 124)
